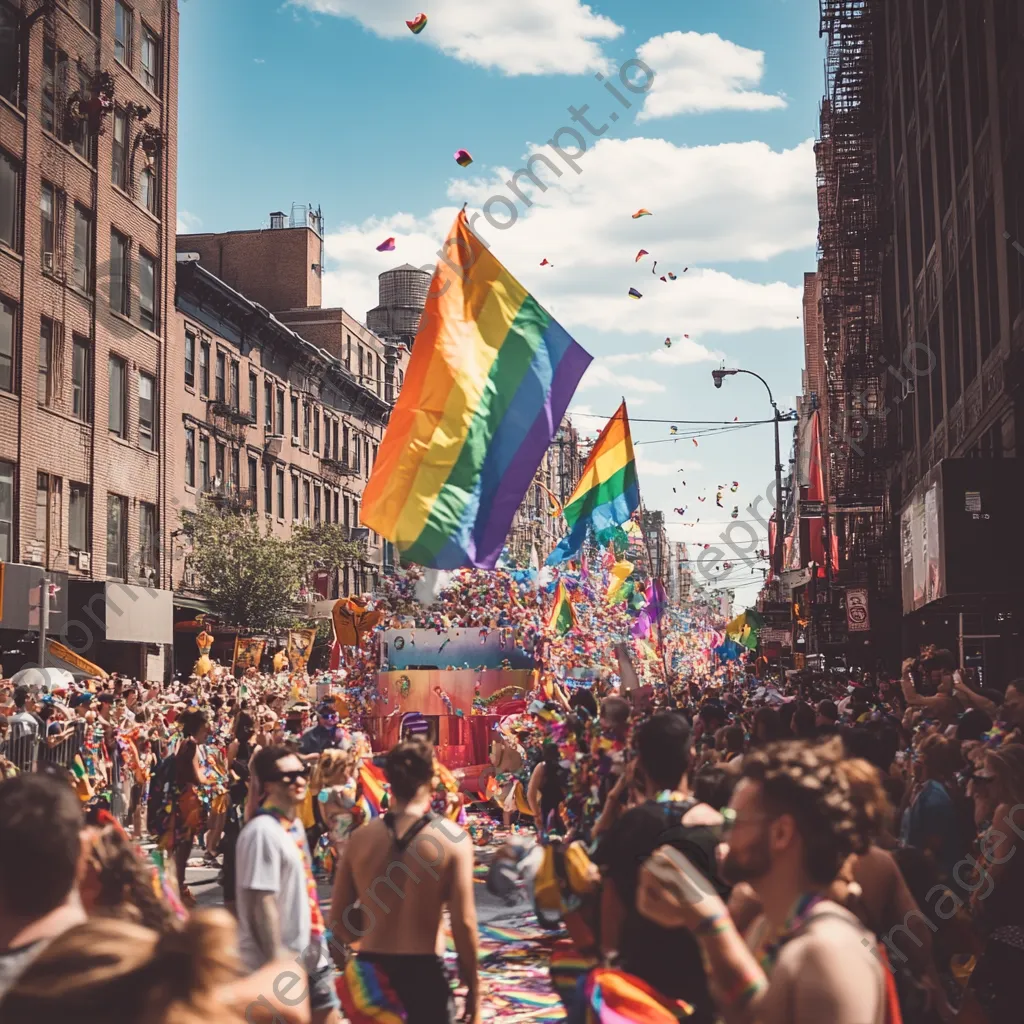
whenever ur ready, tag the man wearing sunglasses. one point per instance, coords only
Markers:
(323, 735)
(278, 910)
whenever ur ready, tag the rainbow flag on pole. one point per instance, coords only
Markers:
(563, 614)
(489, 381)
(608, 492)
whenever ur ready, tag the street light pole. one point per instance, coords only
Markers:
(718, 376)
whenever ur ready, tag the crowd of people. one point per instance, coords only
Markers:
(714, 843)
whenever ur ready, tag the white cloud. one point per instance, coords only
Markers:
(598, 374)
(710, 204)
(187, 223)
(528, 37)
(696, 73)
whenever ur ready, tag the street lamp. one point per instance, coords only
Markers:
(718, 376)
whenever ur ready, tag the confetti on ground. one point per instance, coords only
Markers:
(462, 157)
(388, 245)
(418, 24)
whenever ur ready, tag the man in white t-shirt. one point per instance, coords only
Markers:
(278, 913)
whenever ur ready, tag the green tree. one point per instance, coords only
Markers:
(325, 546)
(250, 577)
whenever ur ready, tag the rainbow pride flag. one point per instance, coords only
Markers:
(490, 378)
(563, 615)
(608, 492)
(372, 788)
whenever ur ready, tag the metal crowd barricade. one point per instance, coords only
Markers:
(22, 751)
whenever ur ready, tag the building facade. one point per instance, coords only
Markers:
(282, 413)
(88, 130)
(921, 197)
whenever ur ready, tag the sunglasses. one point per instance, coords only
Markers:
(330, 716)
(288, 777)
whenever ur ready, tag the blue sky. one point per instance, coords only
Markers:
(336, 103)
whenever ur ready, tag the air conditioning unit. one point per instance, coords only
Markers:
(48, 262)
(84, 560)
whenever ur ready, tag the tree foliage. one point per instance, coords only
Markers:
(252, 578)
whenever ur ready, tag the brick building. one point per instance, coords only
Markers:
(921, 197)
(282, 412)
(88, 128)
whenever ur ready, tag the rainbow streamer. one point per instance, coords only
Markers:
(367, 996)
(373, 788)
(490, 378)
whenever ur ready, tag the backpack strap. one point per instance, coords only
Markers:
(402, 843)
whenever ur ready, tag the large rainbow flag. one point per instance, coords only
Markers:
(489, 381)
(608, 492)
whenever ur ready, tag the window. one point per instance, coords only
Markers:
(81, 378)
(334, 431)
(344, 450)
(234, 385)
(82, 273)
(235, 471)
(77, 131)
(253, 387)
(305, 424)
(147, 291)
(316, 504)
(147, 412)
(366, 456)
(79, 509)
(348, 521)
(86, 11)
(268, 406)
(280, 494)
(48, 227)
(280, 413)
(123, 33)
(219, 452)
(295, 417)
(374, 463)
(149, 59)
(252, 475)
(49, 100)
(7, 315)
(117, 421)
(355, 511)
(190, 456)
(119, 162)
(204, 462)
(149, 539)
(10, 191)
(117, 535)
(348, 353)
(305, 499)
(327, 438)
(360, 364)
(336, 500)
(295, 497)
(190, 359)
(47, 331)
(268, 492)
(218, 390)
(6, 512)
(10, 60)
(316, 430)
(149, 194)
(120, 297)
(204, 369)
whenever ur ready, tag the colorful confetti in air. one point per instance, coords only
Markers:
(388, 245)
(642, 213)
(640, 255)
(634, 294)
(418, 24)
(462, 157)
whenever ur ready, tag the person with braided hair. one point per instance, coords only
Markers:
(792, 824)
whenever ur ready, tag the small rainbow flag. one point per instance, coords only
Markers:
(490, 378)
(563, 614)
(373, 787)
(418, 24)
(608, 491)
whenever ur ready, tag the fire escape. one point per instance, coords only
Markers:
(850, 245)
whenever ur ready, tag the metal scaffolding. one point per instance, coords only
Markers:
(850, 249)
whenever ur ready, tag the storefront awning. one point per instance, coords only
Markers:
(118, 612)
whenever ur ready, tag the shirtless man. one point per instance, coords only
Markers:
(791, 829)
(392, 884)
